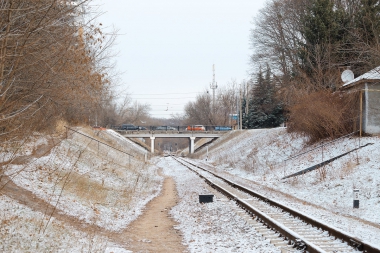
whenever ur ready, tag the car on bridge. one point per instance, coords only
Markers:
(223, 128)
(196, 128)
(166, 128)
(128, 127)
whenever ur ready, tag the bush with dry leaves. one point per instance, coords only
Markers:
(323, 114)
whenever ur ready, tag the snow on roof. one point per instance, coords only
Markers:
(373, 74)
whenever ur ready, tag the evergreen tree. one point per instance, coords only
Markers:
(320, 23)
(325, 33)
(368, 21)
(366, 29)
(264, 109)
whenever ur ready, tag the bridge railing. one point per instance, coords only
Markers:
(178, 129)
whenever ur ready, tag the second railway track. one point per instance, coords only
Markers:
(282, 225)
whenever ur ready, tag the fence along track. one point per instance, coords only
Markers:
(298, 229)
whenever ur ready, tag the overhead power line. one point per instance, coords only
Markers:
(169, 104)
(160, 94)
(163, 98)
(168, 111)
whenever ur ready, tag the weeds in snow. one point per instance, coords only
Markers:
(321, 173)
(18, 233)
(346, 169)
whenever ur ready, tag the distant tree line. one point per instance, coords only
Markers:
(204, 110)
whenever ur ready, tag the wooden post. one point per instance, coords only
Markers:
(322, 152)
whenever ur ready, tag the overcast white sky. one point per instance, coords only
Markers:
(167, 47)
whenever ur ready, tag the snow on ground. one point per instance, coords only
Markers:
(84, 179)
(262, 156)
(20, 232)
(211, 227)
(120, 140)
(110, 178)
(109, 188)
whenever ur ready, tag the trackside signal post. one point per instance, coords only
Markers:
(356, 198)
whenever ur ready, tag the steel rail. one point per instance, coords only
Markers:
(286, 233)
(349, 239)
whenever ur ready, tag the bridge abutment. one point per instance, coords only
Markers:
(191, 145)
(152, 144)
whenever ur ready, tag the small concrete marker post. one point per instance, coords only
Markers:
(356, 198)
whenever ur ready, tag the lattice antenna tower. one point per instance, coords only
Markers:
(213, 86)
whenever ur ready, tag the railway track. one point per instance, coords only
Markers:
(285, 227)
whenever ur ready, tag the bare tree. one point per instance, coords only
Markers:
(226, 103)
(136, 113)
(50, 65)
(276, 37)
(201, 110)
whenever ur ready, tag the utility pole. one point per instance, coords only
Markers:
(240, 112)
(213, 86)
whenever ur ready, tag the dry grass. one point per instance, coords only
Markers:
(60, 127)
(21, 234)
(249, 165)
(85, 188)
(91, 191)
(330, 115)
(347, 169)
(64, 174)
(321, 174)
(293, 181)
(112, 163)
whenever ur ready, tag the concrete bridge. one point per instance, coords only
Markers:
(171, 134)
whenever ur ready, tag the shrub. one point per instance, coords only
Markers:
(323, 114)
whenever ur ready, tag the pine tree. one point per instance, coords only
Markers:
(368, 21)
(264, 109)
(324, 32)
(321, 23)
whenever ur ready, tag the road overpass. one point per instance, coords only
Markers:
(171, 134)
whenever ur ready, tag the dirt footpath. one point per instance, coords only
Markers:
(153, 231)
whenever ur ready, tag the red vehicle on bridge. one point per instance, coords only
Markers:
(196, 128)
